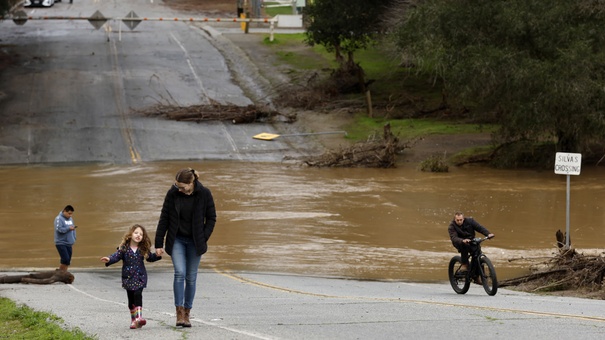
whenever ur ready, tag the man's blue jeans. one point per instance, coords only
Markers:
(186, 263)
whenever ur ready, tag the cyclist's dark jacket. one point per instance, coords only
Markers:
(466, 230)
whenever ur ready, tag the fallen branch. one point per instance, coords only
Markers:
(47, 277)
(199, 113)
(552, 286)
(527, 278)
(371, 154)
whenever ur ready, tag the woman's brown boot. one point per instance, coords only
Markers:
(180, 312)
(186, 322)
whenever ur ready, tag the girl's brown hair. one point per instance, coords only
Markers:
(144, 245)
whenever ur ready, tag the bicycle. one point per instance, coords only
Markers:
(480, 268)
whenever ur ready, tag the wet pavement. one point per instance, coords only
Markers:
(254, 305)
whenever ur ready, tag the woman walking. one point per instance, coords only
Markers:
(186, 222)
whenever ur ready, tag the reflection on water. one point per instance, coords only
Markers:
(357, 223)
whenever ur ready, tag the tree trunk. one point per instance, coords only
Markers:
(567, 142)
(338, 56)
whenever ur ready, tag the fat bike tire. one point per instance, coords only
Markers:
(460, 281)
(489, 280)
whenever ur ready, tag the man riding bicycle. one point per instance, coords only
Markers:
(462, 231)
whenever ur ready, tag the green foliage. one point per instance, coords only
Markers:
(538, 65)
(21, 322)
(343, 26)
(524, 154)
(435, 163)
(5, 6)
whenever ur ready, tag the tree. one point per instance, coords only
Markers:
(343, 26)
(538, 65)
(5, 6)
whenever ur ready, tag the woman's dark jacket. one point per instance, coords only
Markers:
(203, 219)
(464, 231)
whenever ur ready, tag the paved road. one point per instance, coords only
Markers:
(74, 94)
(249, 305)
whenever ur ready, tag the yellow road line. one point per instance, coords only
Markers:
(118, 90)
(446, 304)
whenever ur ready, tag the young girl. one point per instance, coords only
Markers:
(132, 251)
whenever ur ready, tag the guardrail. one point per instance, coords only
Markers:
(131, 20)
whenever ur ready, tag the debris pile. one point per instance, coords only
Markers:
(567, 270)
(200, 113)
(374, 153)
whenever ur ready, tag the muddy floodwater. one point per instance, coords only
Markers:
(354, 223)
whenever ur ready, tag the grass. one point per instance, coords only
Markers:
(286, 46)
(412, 128)
(273, 11)
(21, 322)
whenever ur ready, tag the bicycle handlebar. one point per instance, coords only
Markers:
(481, 239)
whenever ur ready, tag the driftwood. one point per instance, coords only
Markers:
(371, 154)
(567, 270)
(39, 278)
(216, 112)
(531, 277)
(561, 239)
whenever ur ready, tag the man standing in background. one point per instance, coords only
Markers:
(65, 236)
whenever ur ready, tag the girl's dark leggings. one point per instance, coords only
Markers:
(135, 298)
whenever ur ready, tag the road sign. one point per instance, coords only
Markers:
(20, 17)
(128, 21)
(568, 163)
(97, 20)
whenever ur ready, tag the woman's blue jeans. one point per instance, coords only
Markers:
(186, 263)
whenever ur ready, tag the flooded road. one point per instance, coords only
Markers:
(356, 223)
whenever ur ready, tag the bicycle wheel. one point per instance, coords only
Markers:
(460, 281)
(489, 280)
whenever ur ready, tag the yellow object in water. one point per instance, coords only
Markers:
(272, 136)
(265, 136)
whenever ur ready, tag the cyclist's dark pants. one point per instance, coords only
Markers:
(464, 250)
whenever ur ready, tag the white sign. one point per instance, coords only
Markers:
(289, 21)
(568, 163)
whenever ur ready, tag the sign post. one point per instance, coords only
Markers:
(568, 164)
